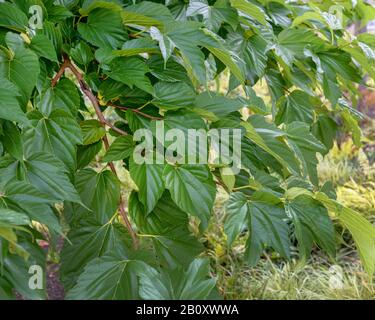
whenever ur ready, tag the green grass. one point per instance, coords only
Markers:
(287, 281)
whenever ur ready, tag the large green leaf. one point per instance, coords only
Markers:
(325, 129)
(121, 148)
(92, 131)
(215, 106)
(271, 139)
(10, 217)
(26, 198)
(49, 177)
(107, 278)
(172, 96)
(339, 63)
(250, 9)
(132, 72)
(192, 189)
(306, 146)
(12, 140)
(213, 16)
(192, 284)
(21, 67)
(264, 217)
(12, 18)
(298, 106)
(168, 227)
(149, 179)
(15, 270)
(311, 224)
(100, 193)
(57, 133)
(104, 28)
(293, 42)
(9, 105)
(43, 47)
(89, 241)
(64, 96)
(363, 231)
(187, 36)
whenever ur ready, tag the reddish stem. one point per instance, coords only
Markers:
(110, 104)
(88, 92)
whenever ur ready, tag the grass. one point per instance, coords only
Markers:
(287, 281)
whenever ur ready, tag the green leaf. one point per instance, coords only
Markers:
(298, 106)
(168, 227)
(12, 18)
(64, 96)
(216, 106)
(82, 54)
(352, 126)
(12, 140)
(363, 231)
(213, 16)
(307, 16)
(192, 189)
(311, 224)
(293, 42)
(306, 146)
(58, 13)
(100, 192)
(250, 9)
(24, 197)
(172, 96)
(58, 133)
(89, 241)
(233, 62)
(339, 63)
(149, 179)
(15, 270)
(92, 131)
(120, 149)
(104, 28)
(137, 46)
(325, 129)
(107, 278)
(86, 154)
(10, 217)
(158, 12)
(43, 47)
(21, 67)
(268, 137)
(49, 177)
(187, 36)
(254, 50)
(190, 284)
(264, 217)
(134, 18)
(132, 72)
(9, 106)
(331, 88)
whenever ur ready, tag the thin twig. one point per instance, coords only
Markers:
(88, 92)
(59, 73)
(110, 104)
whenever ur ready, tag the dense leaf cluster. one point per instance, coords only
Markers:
(73, 92)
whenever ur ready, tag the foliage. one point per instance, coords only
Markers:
(99, 70)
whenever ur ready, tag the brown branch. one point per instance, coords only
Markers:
(90, 95)
(135, 111)
(59, 73)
